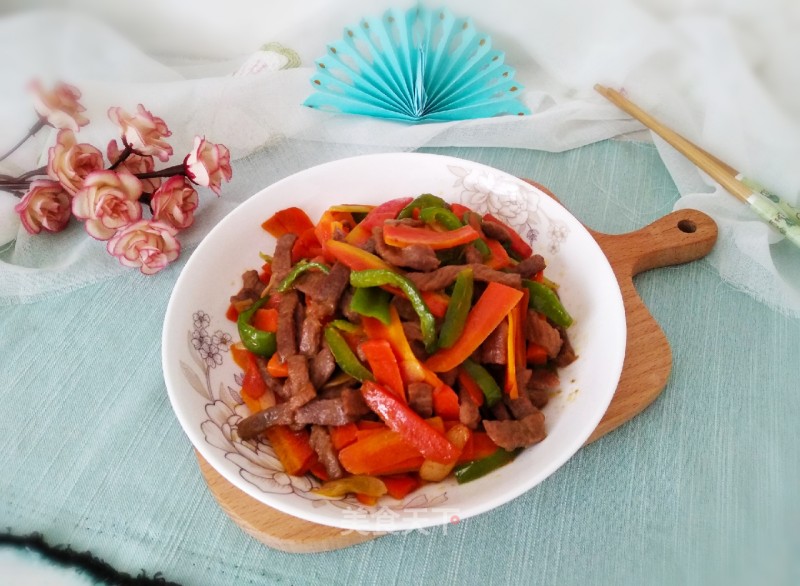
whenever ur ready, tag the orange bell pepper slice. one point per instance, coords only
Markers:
(399, 417)
(292, 220)
(499, 259)
(276, 368)
(398, 486)
(471, 387)
(381, 452)
(354, 257)
(492, 307)
(445, 403)
(478, 446)
(536, 354)
(402, 235)
(266, 319)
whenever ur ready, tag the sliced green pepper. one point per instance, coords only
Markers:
(297, 270)
(457, 310)
(345, 326)
(544, 300)
(484, 379)
(255, 340)
(441, 216)
(469, 471)
(380, 277)
(426, 200)
(344, 356)
(372, 302)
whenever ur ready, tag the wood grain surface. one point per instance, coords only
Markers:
(677, 238)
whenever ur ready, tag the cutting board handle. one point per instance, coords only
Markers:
(680, 237)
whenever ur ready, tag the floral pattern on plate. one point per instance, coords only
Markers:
(517, 205)
(256, 460)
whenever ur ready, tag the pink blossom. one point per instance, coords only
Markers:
(174, 203)
(45, 207)
(59, 107)
(69, 162)
(208, 164)
(108, 201)
(135, 164)
(146, 244)
(143, 132)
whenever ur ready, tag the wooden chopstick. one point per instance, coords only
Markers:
(721, 172)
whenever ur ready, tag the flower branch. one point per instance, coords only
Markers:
(110, 200)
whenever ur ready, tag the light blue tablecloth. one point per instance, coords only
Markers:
(699, 489)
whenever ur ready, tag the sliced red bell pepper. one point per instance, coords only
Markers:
(292, 220)
(253, 384)
(403, 235)
(492, 307)
(306, 246)
(536, 354)
(399, 417)
(383, 364)
(436, 301)
(376, 217)
(232, 314)
(266, 273)
(518, 245)
(381, 452)
(499, 259)
(445, 403)
(266, 319)
(470, 386)
(292, 448)
(398, 486)
(478, 446)
(459, 209)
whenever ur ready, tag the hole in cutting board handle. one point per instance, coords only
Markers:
(687, 226)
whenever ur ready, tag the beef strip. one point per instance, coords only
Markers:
(500, 411)
(522, 433)
(282, 259)
(468, 412)
(404, 309)
(539, 331)
(416, 256)
(301, 391)
(539, 398)
(309, 282)
(320, 441)
(252, 426)
(449, 377)
(251, 290)
(344, 307)
(494, 349)
(321, 366)
(347, 408)
(529, 266)
(286, 336)
(411, 222)
(327, 296)
(472, 255)
(520, 407)
(310, 334)
(445, 276)
(420, 398)
(566, 355)
(412, 331)
(545, 380)
(496, 230)
(272, 383)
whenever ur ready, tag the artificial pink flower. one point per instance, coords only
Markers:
(69, 162)
(143, 132)
(45, 207)
(146, 244)
(208, 164)
(135, 164)
(175, 202)
(60, 106)
(107, 201)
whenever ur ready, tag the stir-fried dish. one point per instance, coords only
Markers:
(385, 347)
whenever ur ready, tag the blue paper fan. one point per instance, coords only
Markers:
(416, 65)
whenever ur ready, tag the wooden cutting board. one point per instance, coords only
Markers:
(677, 238)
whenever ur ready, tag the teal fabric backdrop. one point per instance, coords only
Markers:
(699, 489)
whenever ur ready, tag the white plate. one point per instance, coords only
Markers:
(203, 381)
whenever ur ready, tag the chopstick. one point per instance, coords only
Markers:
(778, 213)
